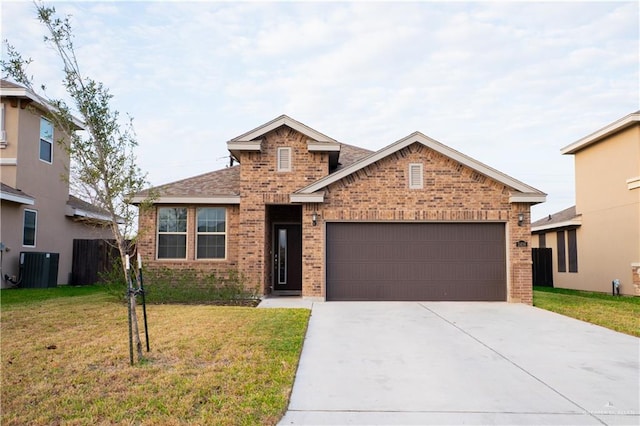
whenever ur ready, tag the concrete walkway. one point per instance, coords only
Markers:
(461, 363)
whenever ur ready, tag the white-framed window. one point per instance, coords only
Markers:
(46, 140)
(29, 228)
(172, 233)
(416, 179)
(3, 133)
(211, 233)
(284, 159)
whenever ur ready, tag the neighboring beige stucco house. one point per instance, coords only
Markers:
(37, 212)
(305, 214)
(598, 240)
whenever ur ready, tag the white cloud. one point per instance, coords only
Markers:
(508, 83)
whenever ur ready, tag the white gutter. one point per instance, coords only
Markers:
(17, 198)
(216, 199)
(563, 224)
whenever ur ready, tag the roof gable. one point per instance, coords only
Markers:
(283, 120)
(528, 193)
(603, 133)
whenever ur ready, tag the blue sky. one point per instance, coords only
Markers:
(508, 83)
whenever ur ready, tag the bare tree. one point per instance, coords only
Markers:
(103, 165)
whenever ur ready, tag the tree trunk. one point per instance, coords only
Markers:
(135, 333)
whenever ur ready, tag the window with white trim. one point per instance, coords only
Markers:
(3, 133)
(30, 225)
(416, 178)
(46, 140)
(284, 160)
(211, 233)
(172, 233)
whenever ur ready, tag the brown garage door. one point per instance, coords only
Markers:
(416, 261)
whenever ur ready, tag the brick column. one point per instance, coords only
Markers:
(635, 272)
(521, 289)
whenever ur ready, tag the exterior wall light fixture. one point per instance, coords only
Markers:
(314, 218)
(520, 219)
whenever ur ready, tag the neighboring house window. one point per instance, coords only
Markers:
(29, 228)
(172, 233)
(415, 176)
(562, 261)
(211, 233)
(46, 140)
(284, 159)
(572, 243)
(3, 133)
(542, 240)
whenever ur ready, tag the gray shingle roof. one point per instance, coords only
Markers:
(219, 182)
(9, 190)
(227, 181)
(559, 217)
(349, 154)
(77, 203)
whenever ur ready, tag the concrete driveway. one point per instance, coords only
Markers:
(461, 363)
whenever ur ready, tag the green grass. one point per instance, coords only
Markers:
(65, 360)
(617, 313)
(15, 296)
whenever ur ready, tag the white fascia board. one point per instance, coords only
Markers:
(429, 143)
(317, 197)
(216, 199)
(564, 224)
(533, 198)
(16, 92)
(244, 145)
(78, 212)
(633, 183)
(17, 198)
(93, 215)
(315, 146)
(8, 161)
(280, 121)
(598, 135)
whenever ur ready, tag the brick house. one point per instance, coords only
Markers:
(304, 214)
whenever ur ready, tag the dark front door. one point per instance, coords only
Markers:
(287, 257)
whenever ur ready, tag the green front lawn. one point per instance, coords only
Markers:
(618, 313)
(65, 360)
(9, 297)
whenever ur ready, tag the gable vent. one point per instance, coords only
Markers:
(415, 176)
(284, 159)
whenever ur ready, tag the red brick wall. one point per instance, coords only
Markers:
(379, 192)
(261, 184)
(452, 192)
(147, 240)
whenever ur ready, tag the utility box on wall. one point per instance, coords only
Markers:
(38, 270)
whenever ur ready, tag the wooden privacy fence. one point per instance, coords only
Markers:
(90, 259)
(542, 267)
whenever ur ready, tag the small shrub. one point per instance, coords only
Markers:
(164, 285)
